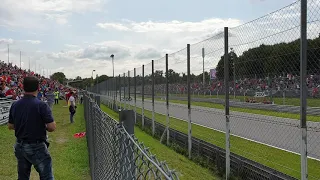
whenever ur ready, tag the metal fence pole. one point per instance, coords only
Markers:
(115, 93)
(153, 125)
(226, 83)
(129, 92)
(304, 90)
(126, 117)
(135, 94)
(120, 89)
(189, 103)
(142, 112)
(167, 99)
(124, 91)
(203, 75)
(91, 119)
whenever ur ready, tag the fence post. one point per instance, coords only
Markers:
(189, 101)
(120, 89)
(167, 99)
(127, 163)
(115, 93)
(91, 138)
(226, 83)
(127, 118)
(129, 92)
(124, 91)
(142, 112)
(135, 94)
(97, 99)
(304, 90)
(153, 125)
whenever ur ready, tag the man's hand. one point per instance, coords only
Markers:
(11, 126)
(51, 126)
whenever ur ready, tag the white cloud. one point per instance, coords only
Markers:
(59, 18)
(33, 41)
(171, 26)
(71, 46)
(33, 14)
(6, 41)
(115, 26)
(149, 53)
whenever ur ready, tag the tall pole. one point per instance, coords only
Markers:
(153, 108)
(29, 64)
(189, 99)
(203, 55)
(226, 83)
(167, 100)
(142, 111)
(112, 57)
(304, 90)
(112, 67)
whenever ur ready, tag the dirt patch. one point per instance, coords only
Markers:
(61, 140)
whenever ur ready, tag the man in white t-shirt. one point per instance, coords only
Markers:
(72, 107)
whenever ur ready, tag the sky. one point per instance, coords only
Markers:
(78, 36)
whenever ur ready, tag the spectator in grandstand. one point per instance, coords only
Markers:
(72, 107)
(30, 118)
(39, 95)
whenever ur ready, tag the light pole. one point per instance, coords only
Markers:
(112, 58)
(92, 75)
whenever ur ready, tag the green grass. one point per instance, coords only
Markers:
(253, 111)
(187, 169)
(277, 100)
(70, 155)
(280, 160)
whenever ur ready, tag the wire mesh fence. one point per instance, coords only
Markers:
(246, 86)
(116, 154)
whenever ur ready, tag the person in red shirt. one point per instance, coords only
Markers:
(68, 95)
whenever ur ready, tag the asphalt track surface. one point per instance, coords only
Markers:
(283, 133)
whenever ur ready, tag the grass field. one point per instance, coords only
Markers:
(280, 160)
(253, 111)
(187, 170)
(70, 156)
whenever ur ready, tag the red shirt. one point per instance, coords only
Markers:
(10, 92)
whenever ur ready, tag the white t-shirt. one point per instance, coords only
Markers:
(72, 101)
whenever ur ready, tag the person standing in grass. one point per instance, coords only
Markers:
(56, 97)
(72, 107)
(31, 118)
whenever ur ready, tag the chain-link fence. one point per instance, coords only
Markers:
(251, 90)
(114, 152)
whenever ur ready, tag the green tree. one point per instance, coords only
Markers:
(58, 76)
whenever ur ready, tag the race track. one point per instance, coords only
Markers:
(282, 133)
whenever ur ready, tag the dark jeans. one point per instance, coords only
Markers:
(71, 117)
(56, 101)
(33, 154)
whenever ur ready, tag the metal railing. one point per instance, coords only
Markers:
(5, 105)
(114, 152)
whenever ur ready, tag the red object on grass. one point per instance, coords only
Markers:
(79, 135)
